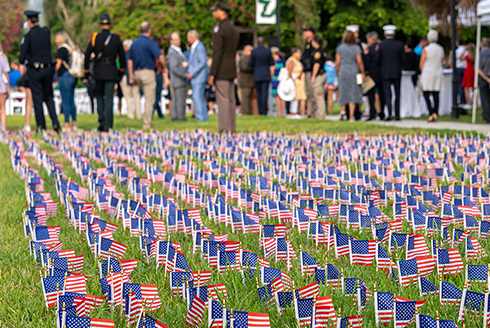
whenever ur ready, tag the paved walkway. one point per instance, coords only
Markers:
(423, 124)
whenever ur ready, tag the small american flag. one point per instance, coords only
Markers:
(195, 313)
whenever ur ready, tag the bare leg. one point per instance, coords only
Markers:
(28, 106)
(3, 111)
(330, 101)
(352, 108)
(467, 95)
(302, 105)
(378, 103)
(210, 108)
(280, 106)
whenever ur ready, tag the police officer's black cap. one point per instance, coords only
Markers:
(105, 19)
(31, 13)
(221, 6)
(309, 28)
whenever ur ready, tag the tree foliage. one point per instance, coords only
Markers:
(329, 17)
(11, 16)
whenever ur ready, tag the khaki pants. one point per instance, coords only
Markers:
(132, 95)
(247, 94)
(319, 94)
(310, 94)
(145, 78)
(225, 98)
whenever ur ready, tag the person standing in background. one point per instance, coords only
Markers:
(390, 59)
(432, 77)
(296, 73)
(4, 87)
(469, 74)
(159, 79)
(131, 92)
(66, 81)
(374, 71)
(420, 47)
(142, 59)
(36, 51)
(14, 74)
(223, 69)
(331, 82)
(279, 63)
(307, 61)
(246, 80)
(105, 47)
(461, 62)
(484, 74)
(263, 64)
(197, 73)
(177, 66)
(318, 77)
(348, 62)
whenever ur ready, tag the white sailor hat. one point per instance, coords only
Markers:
(389, 29)
(352, 28)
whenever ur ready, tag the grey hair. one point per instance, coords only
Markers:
(127, 43)
(432, 36)
(145, 27)
(372, 35)
(172, 33)
(193, 33)
(485, 42)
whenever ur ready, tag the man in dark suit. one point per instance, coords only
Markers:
(390, 59)
(246, 80)
(106, 47)
(223, 70)
(36, 51)
(374, 71)
(263, 64)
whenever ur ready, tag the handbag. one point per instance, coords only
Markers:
(283, 74)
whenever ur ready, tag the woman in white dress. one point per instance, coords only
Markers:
(432, 77)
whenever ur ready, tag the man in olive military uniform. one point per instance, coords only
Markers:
(36, 51)
(106, 47)
(223, 69)
(318, 77)
(307, 61)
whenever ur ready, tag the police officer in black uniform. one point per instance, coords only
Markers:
(307, 61)
(104, 48)
(36, 51)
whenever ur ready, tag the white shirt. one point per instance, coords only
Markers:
(179, 51)
(461, 52)
(194, 46)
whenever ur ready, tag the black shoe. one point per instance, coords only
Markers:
(173, 119)
(389, 118)
(183, 120)
(101, 127)
(57, 129)
(369, 119)
(397, 118)
(381, 116)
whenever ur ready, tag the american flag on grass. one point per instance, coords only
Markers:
(195, 313)
(132, 307)
(148, 294)
(362, 252)
(472, 302)
(449, 262)
(308, 264)
(85, 322)
(240, 319)
(449, 293)
(145, 321)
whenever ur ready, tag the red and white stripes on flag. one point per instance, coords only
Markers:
(195, 313)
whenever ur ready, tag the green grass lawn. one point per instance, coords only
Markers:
(21, 298)
(243, 124)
